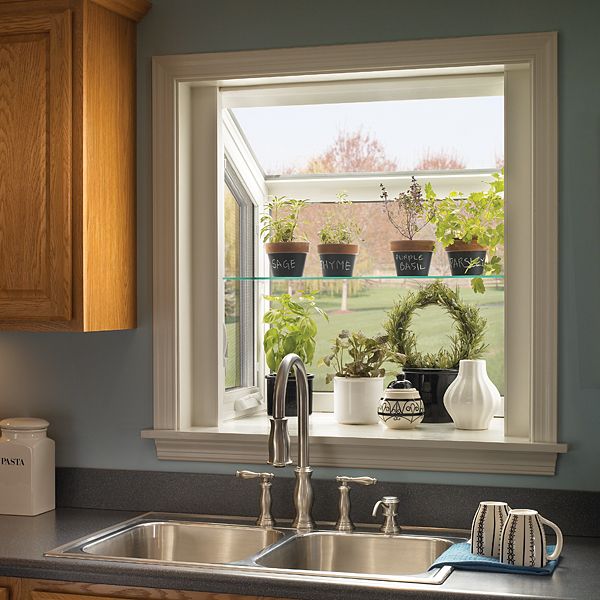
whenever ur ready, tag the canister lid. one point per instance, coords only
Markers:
(401, 383)
(24, 424)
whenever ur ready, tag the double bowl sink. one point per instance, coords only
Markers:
(206, 543)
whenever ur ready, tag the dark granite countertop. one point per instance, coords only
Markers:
(23, 541)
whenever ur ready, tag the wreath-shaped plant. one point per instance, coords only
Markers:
(466, 343)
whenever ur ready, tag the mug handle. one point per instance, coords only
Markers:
(559, 539)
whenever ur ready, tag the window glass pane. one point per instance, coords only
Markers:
(382, 136)
(360, 305)
(232, 217)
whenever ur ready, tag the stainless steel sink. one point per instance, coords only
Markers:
(357, 554)
(185, 542)
(212, 543)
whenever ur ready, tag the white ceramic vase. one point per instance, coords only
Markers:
(472, 398)
(355, 399)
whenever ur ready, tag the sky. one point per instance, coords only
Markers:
(471, 128)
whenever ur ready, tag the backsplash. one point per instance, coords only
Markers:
(426, 505)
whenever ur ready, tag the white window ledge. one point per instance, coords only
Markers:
(430, 447)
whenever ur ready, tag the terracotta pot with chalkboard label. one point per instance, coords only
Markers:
(466, 258)
(337, 260)
(287, 259)
(412, 257)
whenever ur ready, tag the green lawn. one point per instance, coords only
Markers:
(367, 311)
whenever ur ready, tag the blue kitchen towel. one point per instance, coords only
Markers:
(460, 557)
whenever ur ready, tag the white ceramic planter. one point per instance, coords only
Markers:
(472, 398)
(355, 399)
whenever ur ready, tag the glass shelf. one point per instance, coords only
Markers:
(361, 277)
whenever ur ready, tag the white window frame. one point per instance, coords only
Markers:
(188, 373)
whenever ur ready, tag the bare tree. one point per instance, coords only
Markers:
(441, 160)
(351, 152)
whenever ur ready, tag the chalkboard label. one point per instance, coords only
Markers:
(287, 264)
(337, 265)
(461, 261)
(412, 264)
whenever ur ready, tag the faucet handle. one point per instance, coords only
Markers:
(390, 511)
(345, 480)
(344, 522)
(265, 519)
(254, 475)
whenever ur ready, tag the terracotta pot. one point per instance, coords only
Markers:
(337, 260)
(412, 257)
(287, 259)
(461, 254)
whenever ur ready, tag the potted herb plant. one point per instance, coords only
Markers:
(358, 379)
(279, 224)
(472, 229)
(293, 328)
(409, 212)
(431, 374)
(338, 237)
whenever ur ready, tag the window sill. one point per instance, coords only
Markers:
(431, 447)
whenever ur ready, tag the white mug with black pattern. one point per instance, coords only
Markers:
(487, 528)
(524, 541)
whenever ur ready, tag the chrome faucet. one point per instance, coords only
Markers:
(279, 438)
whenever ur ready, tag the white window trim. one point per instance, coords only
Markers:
(188, 353)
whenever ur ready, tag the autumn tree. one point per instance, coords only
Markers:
(351, 152)
(441, 160)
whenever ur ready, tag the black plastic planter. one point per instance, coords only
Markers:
(287, 259)
(432, 385)
(412, 258)
(337, 260)
(290, 395)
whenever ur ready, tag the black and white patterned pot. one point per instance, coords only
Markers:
(401, 409)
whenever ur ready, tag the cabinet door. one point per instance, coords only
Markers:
(35, 166)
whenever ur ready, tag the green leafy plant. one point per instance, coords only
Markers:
(280, 219)
(293, 327)
(478, 217)
(340, 226)
(467, 343)
(365, 356)
(410, 211)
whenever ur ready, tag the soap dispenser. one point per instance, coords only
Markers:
(26, 467)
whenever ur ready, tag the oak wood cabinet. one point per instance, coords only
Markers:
(39, 589)
(67, 164)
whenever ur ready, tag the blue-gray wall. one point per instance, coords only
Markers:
(96, 389)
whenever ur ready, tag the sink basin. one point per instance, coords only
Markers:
(188, 542)
(236, 546)
(357, 555)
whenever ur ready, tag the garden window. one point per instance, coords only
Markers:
(265, 127)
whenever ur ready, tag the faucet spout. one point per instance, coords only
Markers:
(279, 438)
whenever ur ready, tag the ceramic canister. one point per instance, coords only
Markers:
(401, 406)
(26, 467)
